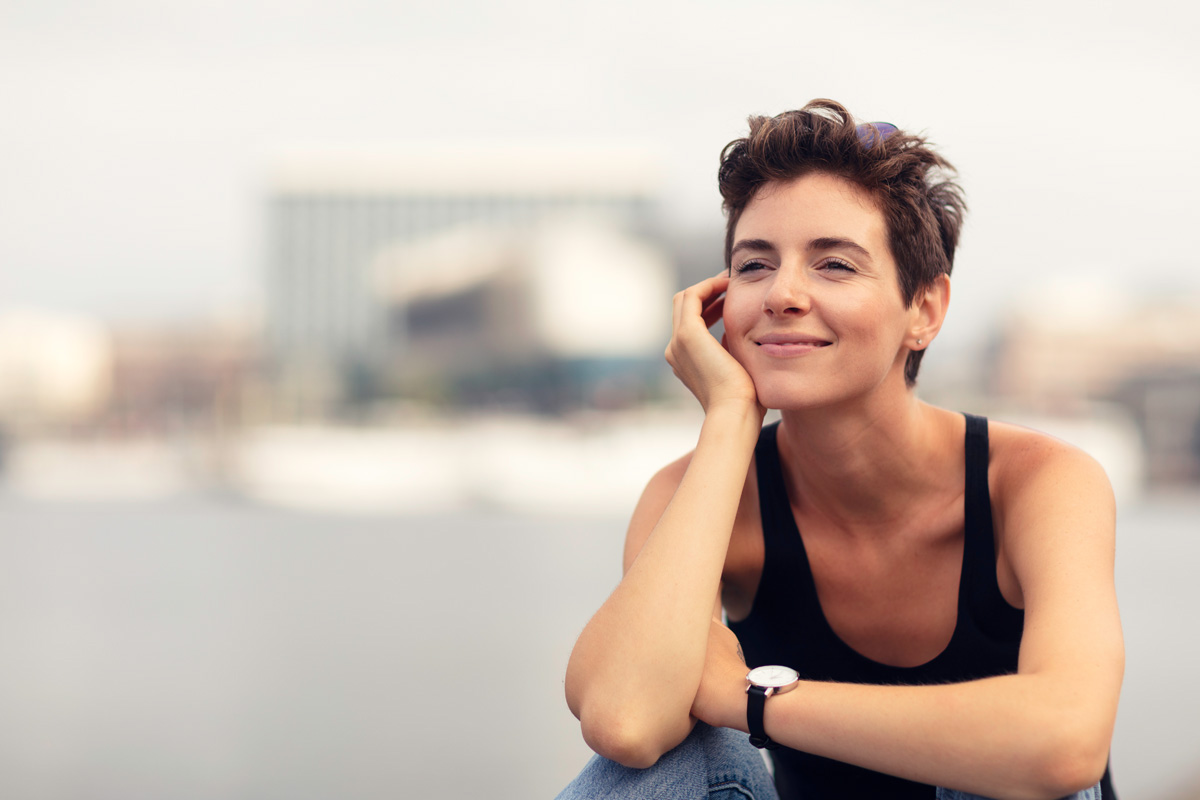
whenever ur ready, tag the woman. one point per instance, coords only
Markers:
(943, 585)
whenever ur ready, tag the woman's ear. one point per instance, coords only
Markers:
(928, 312)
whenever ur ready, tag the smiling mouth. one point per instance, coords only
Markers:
(777, 346)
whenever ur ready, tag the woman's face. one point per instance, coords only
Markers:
(813, 310)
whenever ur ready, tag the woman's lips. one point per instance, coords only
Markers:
(784, 345)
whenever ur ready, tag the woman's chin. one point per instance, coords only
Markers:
(791, 392)
(779, 396)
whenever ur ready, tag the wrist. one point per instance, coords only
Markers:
(738, 706)
(763, 685)
(737, 417)
(723, 703)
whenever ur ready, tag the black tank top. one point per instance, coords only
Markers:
(787, 626)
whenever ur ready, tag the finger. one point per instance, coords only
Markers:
(708, 288)
(687, 308)
(712, 288)
(698, 297)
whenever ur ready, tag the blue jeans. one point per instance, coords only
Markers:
(711, 764)
(954, 794)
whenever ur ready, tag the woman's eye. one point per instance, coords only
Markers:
(835, 264)
(749, 266)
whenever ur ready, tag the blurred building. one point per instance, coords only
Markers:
(55, 370)
(90, 411)
(333, 339)
(1057, 355)
(63, 374)
(1165, 403)
(566, 314)
(199, 376)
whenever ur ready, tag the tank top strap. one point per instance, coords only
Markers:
(979, 548)
(780, 535)
(978, 500)
(980, 592)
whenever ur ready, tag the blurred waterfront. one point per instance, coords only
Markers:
(331, 355)
(343, 550)
(201, 646)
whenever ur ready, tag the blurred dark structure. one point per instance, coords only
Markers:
(337, 342)
(1141, 354)
(565, 315)
(1166, 406)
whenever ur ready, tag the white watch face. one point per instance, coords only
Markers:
(773, 676)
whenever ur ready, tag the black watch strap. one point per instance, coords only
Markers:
(756, 703)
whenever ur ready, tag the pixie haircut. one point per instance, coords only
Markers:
(912, 184)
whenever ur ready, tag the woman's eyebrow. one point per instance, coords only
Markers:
(751, 244)
(839, 243)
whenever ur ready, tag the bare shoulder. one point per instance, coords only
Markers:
(1025, 463)
(1056, 533)
(1051, 501)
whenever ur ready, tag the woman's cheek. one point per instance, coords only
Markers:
(736, 319)
(733, 340)
(737, 351)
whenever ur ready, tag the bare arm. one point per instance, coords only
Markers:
(1042, 732)
(635, 669)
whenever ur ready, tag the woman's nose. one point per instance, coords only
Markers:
(789, 292)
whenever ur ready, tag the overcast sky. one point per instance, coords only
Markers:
(135, 136)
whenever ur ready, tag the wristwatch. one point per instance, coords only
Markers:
(761, 683)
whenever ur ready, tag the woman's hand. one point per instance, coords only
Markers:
(704, 365)
(721, 699)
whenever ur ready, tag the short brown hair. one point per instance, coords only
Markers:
(914, 186)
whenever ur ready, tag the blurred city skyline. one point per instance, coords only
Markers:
(141, 136)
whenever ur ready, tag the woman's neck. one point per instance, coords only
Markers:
(866, 466)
